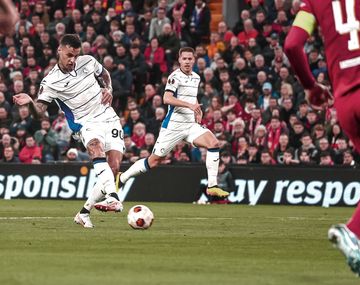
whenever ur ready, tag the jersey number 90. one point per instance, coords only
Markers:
(117, 133)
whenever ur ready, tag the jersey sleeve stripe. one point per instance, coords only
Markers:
(87, 101)
(83, 65)
(86, 88)
(79, 81)
(59, 80)
(305, 21)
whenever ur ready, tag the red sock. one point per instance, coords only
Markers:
(354, 223)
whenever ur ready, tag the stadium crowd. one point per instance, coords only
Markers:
(250, 98)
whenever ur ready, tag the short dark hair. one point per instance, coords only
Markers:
(72, 40)
(186, 49)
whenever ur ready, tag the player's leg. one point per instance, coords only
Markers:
(112, 201)
(164, 144)
(114, 148)
(202, 137)
(83, 217)
(348, 113)
(346, 237)
(140, 166)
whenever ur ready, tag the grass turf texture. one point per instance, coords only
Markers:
(187, 244)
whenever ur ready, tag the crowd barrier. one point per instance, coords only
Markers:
(318, 186)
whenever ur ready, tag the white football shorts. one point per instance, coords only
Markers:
(168, 138)
(110, 134)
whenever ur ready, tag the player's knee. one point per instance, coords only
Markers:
(214, 143)
(154, 161)
(95, 149)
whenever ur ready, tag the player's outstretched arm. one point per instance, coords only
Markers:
(294, 49)
(302, 28)
(37, 109)
(169, 99)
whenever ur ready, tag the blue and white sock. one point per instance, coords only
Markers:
(140, 166)
(105, 174)
(212, 165)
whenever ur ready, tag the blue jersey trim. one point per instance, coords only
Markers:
(99, 160)
(146, 163)
(75, 127)
(166, 121)
(214, 149)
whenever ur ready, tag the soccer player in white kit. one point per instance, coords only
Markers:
(74, 84)
(182, 122)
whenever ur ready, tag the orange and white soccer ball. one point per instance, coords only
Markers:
(140, 217)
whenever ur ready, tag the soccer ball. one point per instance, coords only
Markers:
(140, 217)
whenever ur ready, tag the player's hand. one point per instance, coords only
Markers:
(319, 95)
(21, 99)
(198, 117)
(106, 96)
(196, 108)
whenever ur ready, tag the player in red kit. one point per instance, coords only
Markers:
(339, 21)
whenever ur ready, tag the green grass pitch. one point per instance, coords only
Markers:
(187, 244)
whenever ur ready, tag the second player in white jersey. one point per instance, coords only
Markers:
(185, 88)
(77, 93)
(182, 123)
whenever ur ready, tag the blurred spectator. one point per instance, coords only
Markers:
(265, 158)
(253, 154)
(61, 128)
(288, 158)
(248, 33)
(157, 24)
(155, 60)
(154, 124)
(30, 153)
(72, 155)
(138, 136)
(200, 22)
(122, 85)
(348, 159)
(224, 32)
(281, 149)
(46, 139)
(226, 158)
(325, 159)
(275, 129)
(22, 119)
(9, 155)
(170, 43)
(324, 147)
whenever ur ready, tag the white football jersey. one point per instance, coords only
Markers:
(77, 93)
(185, 88)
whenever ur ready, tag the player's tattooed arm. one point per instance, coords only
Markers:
(105, 82)
(37, 108)
(105, 79)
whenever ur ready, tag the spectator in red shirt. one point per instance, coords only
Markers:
(30, 153)
(224, 33)
(248, 33)
(274, 131)
(155, 60)
(139, 133)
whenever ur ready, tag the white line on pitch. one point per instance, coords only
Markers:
(50, 218)
(177, 218)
